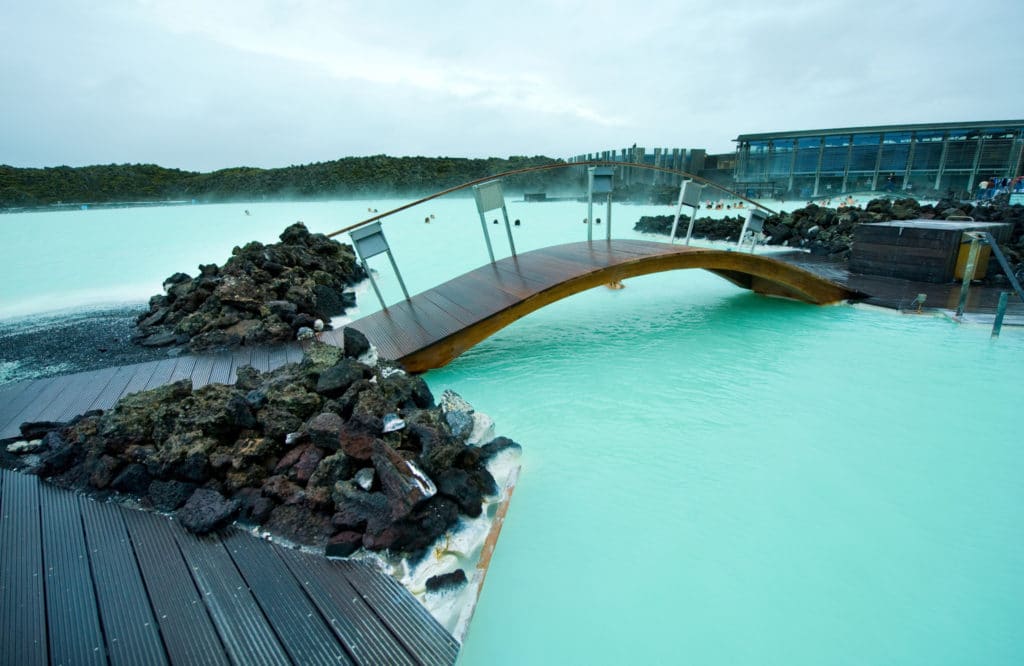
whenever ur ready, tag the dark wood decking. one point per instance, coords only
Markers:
(437, 325)
(60, 398)
(83, 582)
(899, 294)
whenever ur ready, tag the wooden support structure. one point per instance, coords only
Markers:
(438, 325)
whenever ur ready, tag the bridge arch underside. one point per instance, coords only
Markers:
(760, 274)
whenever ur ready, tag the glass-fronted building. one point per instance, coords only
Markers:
(925, 159)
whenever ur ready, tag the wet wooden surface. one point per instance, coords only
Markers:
(86, 582)
(433, 327)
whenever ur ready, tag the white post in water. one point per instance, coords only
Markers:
(754, 223)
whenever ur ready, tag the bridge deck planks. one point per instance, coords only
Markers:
(424, 332)
(86, 582)
(486, 291)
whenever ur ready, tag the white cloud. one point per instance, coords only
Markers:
(212, 84)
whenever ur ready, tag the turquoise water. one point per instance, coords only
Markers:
(710, 477)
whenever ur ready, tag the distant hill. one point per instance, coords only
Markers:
(349, 177)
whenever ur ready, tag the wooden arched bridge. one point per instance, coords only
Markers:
(434, 327)
(430, 329)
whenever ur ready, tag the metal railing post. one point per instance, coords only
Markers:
(508, 230)
(401, 282)
(675, 221)
(373, 283)
(997, 325)
(487, 236)
(689, 227)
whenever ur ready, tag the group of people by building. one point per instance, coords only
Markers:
(988, 189)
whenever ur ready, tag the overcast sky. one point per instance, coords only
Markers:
(207, 84)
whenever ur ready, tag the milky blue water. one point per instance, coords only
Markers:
(709, 476)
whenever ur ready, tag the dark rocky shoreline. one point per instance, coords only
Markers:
(329, 452)
(829, 231)
(262, 294)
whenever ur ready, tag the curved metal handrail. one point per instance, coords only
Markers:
(545, 167)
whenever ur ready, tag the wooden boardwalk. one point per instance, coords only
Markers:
(899, 294)
(60, 398)
(84, 582)
(434, 327)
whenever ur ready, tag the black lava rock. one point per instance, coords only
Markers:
(449, 581)
(206, 510)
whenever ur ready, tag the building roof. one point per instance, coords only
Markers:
(980, 124)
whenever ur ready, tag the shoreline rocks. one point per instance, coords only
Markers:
(829, 231)
(300, 452)
(262, 294)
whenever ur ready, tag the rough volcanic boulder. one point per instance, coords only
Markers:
(263, 293)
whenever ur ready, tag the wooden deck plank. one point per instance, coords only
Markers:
(408, 620)
(451, 307)
(348, 615)
(433, 317)
(278, 356)
(261, 358)
(72, 612)
(460, 291)
(16, 397)
(84, 397)
(394, 330)
(188, 632)
(239, 358)
(75, 385)
(114, 388)
(294, 350)
(42, 402)
(202, 369)
(221, 371)
(162, 373)
(131, 632)
(138, 382)
(241, 625)
(299, 625)
(183, 368)
(544, 270)
(22, 607)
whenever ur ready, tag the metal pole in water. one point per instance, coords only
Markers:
(972, 260)
(997, 325)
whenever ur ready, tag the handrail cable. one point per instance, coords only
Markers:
(545, 167)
